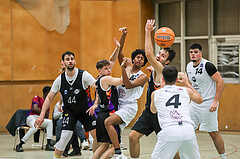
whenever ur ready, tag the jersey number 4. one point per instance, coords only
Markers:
(174, 100)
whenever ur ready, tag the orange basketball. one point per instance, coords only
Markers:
(164, 37)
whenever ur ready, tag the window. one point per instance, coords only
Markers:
(226, 17)
(228, 62)
(196, 18)
(169, 15)
(214, 24)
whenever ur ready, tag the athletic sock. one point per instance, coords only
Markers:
(56, 156)
(118, 151)
(222, 156)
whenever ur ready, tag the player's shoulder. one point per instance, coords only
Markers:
(190, 64)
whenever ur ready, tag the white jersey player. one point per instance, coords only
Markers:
(205, 78)
(123, 116)
(127, 99)
(172, 105)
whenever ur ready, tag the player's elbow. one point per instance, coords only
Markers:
(199, 100)
(221, 82)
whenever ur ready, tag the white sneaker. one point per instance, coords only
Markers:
(121, 156)
(85, 145)
(123, 147)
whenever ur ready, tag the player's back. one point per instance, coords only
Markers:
(172, 104)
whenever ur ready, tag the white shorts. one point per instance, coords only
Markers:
(200, 114)
(126, 111)
(174, 138)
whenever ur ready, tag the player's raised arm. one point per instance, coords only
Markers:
(115, 53)
(121, 41)
(158, 67)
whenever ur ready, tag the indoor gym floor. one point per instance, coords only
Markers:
(206, 147)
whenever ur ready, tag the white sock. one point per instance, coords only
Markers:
(223, 156)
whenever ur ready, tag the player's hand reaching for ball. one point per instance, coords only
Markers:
(150, 25)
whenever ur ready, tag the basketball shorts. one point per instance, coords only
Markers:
(126, 111)
(69, 121)
(147, 123)
(101, 132)
(174, 138)
(201, 115)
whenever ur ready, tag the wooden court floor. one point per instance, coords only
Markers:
(207, 149)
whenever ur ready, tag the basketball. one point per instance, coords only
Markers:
(164, 37)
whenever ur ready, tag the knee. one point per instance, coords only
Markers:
(133, 137)
(107, 122)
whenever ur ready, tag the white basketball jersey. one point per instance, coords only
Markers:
(130, 95)
(172, 104)
(201, 80)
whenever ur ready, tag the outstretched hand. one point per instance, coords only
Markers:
(117, 42)
(123, 30)
(150, 25)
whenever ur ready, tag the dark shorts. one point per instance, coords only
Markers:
(102, 134)
(69, 121)
(147, 123)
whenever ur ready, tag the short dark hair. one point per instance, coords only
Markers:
(67, 53)
(100, 64)
(139, 51)
(196, 46)
(170, 74)
(171, 53)
(46, 89)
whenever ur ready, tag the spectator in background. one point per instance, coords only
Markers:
(34, 113)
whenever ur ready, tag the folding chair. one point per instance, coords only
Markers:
(17, 122)
(27, 128)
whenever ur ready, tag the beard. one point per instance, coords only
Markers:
(70, 68)
(194, 60)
